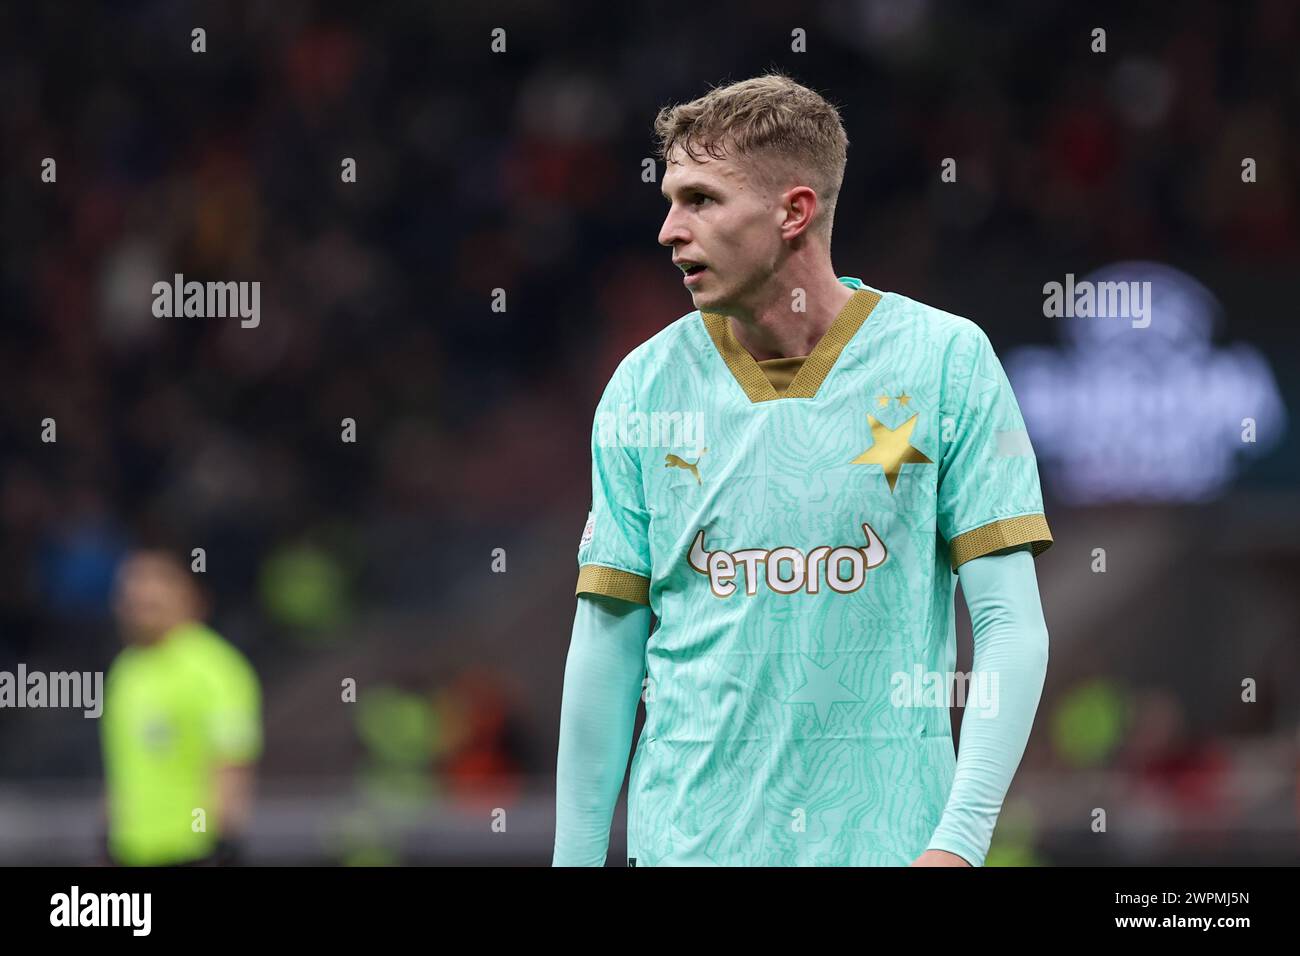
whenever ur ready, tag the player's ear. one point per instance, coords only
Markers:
(799, 205)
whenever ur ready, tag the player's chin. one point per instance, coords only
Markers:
(701, 296)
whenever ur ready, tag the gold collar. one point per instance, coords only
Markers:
(816, 366)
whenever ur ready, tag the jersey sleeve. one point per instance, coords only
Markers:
(232, 706)
(614, 552)
(989, 496)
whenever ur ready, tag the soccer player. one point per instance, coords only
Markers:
(851, 454)
(181, 727)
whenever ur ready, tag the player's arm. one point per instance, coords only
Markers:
(1010, 636)
(234, 726)
(107, 739)
(990, 513)
(234, 798)
(606, 662)
(602, 685)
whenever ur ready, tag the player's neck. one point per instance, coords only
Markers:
(778, 330)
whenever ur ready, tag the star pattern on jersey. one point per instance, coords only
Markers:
(822, 687)
(902, 398)
(891, 449)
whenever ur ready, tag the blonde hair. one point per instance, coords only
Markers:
(795, 133)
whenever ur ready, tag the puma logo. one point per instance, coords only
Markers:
(672, 461)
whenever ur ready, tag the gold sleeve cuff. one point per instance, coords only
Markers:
(612, 582)
(1003, 533)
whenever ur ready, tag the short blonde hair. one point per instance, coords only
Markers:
(797, 132)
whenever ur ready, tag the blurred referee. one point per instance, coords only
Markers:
(181, 728)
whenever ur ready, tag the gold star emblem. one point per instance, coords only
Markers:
(891, 448)
(904, 399)
(882, 400)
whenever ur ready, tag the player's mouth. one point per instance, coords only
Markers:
(693, 271)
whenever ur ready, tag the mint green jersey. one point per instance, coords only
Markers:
(799, 552)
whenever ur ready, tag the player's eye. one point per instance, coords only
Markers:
(700, 198)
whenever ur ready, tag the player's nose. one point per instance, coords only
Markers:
(672, 231)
